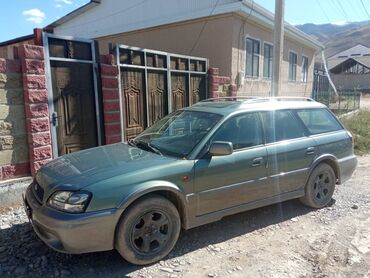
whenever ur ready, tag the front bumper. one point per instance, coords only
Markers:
(72, 233)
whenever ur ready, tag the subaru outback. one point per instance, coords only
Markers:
(195, 166)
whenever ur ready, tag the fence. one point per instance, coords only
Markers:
(344, 102)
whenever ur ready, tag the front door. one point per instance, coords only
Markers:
(73, 97)
(228, 181)
(74, 106)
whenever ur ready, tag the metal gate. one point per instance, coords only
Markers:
(155, 83)
(72, 92)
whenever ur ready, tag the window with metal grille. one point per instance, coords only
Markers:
(267, 60)
(304, 69)
(252, 58)
(292, 66)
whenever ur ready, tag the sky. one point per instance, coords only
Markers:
(20, 17)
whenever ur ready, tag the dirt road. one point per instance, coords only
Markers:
(285, 240)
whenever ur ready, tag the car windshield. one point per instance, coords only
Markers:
(178, 133)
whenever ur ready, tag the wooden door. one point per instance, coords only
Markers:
(179, 90)
(197, 88)
(157, 96)
(74, 106)
(133, 87)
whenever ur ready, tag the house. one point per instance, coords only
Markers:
(350, 69)
(109, 69)
(235, 35)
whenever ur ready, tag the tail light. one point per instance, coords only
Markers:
(351, 137)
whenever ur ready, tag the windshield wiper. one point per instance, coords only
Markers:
(155, 149)
(146, 145)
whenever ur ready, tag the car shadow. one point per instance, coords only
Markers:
(28, 256)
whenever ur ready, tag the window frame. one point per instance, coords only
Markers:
(293, 66)
(258, 115)
(304, 75)
(264, 58)
(254, 56)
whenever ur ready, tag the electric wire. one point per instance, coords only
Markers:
(366, 11)
(203, 28)
(323, 11)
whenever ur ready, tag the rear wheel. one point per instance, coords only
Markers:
(148, 230)
(320, 187)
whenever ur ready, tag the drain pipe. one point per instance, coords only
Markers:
(327, 73)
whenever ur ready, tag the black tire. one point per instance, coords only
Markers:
(320, 187)
(148, 230)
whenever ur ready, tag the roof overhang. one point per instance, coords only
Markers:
(73, 14)
(266, 18)
(245, 8)
(17, 40)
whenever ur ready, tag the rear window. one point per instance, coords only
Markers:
(318, 120)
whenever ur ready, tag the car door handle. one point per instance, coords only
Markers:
(310, 151)
(257, 161)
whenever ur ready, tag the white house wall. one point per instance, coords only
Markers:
(120, 16)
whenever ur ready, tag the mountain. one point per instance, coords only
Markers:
(337, 38)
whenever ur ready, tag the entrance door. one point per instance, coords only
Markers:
(133, 88)
(73, 96)
(74, 107)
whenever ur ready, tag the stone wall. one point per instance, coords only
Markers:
(13, 137)
(220, 86)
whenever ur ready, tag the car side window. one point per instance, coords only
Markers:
(243, 131)
(318, 120)
(281, 125)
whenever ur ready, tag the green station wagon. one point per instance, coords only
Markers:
(201, 163)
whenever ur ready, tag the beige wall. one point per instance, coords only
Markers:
(7, 51)
(215, 42)
(261, 86)
(223, 42)
(13, 139)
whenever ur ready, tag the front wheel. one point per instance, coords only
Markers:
(320, 187)
(148, 230)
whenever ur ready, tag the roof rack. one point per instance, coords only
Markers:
(235, 98)
(253, 98)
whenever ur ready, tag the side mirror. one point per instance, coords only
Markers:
(221, 148)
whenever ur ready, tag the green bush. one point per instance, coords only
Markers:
(359, 126)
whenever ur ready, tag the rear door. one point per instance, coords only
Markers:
(228, 181)
(290, 151)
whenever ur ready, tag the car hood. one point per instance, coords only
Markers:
(80, 169)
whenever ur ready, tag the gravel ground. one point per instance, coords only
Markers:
(284, 240)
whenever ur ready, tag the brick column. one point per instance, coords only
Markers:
(36, 105)
(13, 142)
(111, 103)
(213, 82)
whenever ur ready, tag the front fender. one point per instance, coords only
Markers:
(149, 187)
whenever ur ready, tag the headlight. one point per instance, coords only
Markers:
(73, 202)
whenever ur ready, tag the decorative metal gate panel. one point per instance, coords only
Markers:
(155, 83)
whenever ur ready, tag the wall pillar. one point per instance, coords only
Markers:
(220, 86)
(36, 105)
(111, 101)
(13, 138)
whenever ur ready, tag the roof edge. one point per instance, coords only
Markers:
(267, 18)
(16, 40)
(74, 14)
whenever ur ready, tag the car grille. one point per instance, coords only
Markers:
(37, 191)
